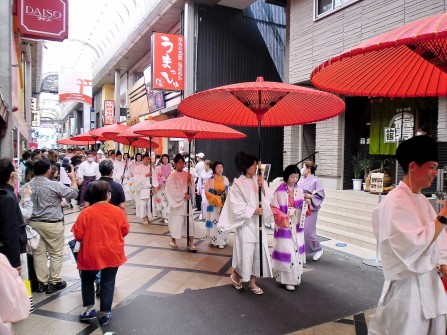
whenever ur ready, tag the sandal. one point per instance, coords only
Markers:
(192, 248)
(237, 285)
(256, 290)
(173, 245)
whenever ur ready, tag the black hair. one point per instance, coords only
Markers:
(244, 161)
(138, 154)
(99, 191)
(291, 169)
(179, 157)
(215, 164)
(6, 168)
(26, 154)
(41, 167)
(164, 155)
(106, 167)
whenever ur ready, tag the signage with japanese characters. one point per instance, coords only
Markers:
(109, 112)
(376, 182)
(155, 98)
(75, 84)
(43, 19)
(168, 61)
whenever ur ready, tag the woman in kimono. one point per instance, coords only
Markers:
(205, 174)
(137, 161)
(162, 172)
(288, 256)
(216, 190)
(313, 190)
(241, 212)
(179, 190)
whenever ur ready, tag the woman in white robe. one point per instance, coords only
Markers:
(179, 188)
(135, 163)
(241, 212)
(162, 172)
(145, 182)
(205, 174)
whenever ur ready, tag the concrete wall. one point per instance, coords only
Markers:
(311, 42)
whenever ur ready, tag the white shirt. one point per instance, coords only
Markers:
(88, 169)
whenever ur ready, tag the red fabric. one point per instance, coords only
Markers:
(101, 229)
(88, 137)
(406, 62)
(444, 282)
(275, 104)
(281, 219)
(110, 129)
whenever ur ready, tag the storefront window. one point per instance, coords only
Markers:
(323, 7)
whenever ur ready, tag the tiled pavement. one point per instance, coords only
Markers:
(153, 268)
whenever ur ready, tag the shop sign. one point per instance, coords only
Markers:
(155, 98)
(376, 182)
(75, 84)
(46, 20)
(35, 122)
(109, 112)
(168, 62)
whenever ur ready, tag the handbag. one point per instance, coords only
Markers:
(74, 247)
(33, 239)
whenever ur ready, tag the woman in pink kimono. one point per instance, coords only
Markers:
(162, 172)
(313, 191)
(288, 256)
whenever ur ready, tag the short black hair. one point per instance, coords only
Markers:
(99, 191)
(41, 167)
(164, 155)
(291, 169)
(179, 157)
(244, 161)
(215, 164)
(106, 167)
(26, 154)
(6, 168)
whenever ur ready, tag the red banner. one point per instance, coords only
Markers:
(109, 112)
(168, 61)
(43, 19)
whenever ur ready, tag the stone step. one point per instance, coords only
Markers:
(347, 237)
(344, 226)
(347, 209)
(351, 217)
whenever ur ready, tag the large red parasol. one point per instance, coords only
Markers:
(262, 103)
(185, 127)
(410, 61)
(110, 129)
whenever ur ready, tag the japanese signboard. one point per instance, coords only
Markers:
(155, 99)
(109, 112)
(43, 19)
(75, 84)
(168, 62)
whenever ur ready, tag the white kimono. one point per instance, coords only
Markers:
(176, 188)
(143, 187)
(237, 213)
(413, 299)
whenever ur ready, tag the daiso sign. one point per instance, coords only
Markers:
(43, 19)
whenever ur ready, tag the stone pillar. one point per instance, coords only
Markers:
(292, 145)
(117, 96)
(189, 49)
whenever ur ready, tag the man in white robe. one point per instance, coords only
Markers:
(179, 188)
(145, 180)
(412, 245)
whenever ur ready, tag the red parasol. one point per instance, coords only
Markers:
(410, 61)
(69, 141)
(262, 103)
(110, 129)
(185, 127)
(88, 137)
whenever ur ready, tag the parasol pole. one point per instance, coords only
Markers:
(187, 191)
(260, 202)
(150, 170)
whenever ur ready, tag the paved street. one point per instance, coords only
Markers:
(160, 290)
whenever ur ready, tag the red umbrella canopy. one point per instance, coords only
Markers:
(276, 104)
(69, 141)
(138, 142)
(130, 135)
(410, 61)
(110, 129)
(185, 127)
(88, 137)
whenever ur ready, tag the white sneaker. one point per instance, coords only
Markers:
(318, 255)
(221, 246)
(200, 217)
(290, 287)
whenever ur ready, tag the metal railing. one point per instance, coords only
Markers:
(306, 158)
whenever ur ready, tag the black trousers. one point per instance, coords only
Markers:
(198, 202)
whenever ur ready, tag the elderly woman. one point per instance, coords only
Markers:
(100, 228)
(313, 191)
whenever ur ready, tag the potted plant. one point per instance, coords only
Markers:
(358, 170)
(366, 164)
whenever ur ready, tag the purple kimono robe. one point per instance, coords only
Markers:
(311, 185)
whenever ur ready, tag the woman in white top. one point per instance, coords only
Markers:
(205, 174)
